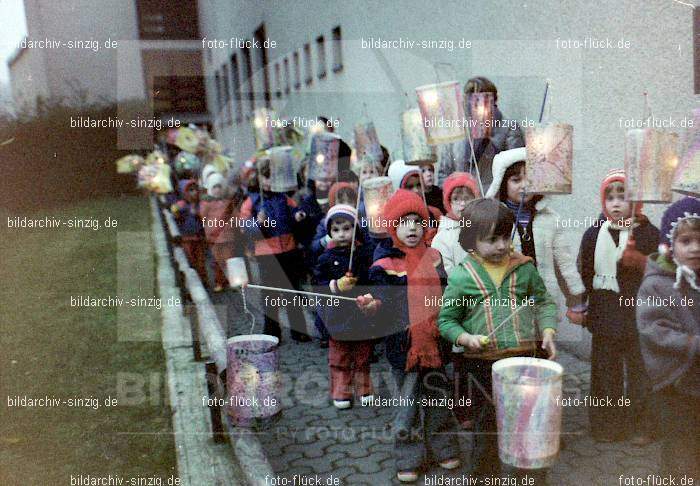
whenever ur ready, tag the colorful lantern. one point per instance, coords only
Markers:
(283, 170)
(481, 109)
(367, 142)
(442, 111)
(186, 161)
(252, 379)
(323, 156)
(262, 128)
(416, 150)
(687, 178)
(129, 163)
(377, 192)
(236, 272)
(651, 159)
(155, 158)
(527, 392)
(549, 158)
(187, 139)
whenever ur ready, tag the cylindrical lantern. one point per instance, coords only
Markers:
(651, 159)
(367, 142)
(481, 109)
(186, 139)
(687, 178)
(283, 170)
(442, 111)
(377, 192)
(236, 272)
(186, 161)
(549, 158)
(527, 393)
(252, 379)
(416, 150)
(129, 163)
(262, 128)
(323, 156)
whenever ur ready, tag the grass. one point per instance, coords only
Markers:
(50, 348)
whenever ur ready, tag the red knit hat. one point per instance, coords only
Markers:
(615, 175)
(403, 202)
(453, 181)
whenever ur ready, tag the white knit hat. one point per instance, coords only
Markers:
(501, 162)
(398, 170)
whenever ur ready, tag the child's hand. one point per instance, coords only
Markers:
(300, 215)
(470, 341)
(346, 283)
(367, 303)
(262, 217)
(548, 343)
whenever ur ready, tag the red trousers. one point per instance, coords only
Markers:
(221, 252)
(196, 252)
(349, 363)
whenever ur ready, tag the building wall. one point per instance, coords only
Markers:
(28, 79)
(513, 43)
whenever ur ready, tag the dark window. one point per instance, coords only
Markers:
(278, 80)
(696, 47)
(159, 20)
(262, 63)
(227, 94)
(248, 81)
(219, 99)
(287, 77)
(297, 71)
(309, 75)
(236, 84)
(179, 94)
(321, 53)
(337, 50)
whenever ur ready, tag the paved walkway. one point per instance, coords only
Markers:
(314, 440)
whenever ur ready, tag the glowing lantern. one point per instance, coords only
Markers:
(263, 120)
(367, 142)
(416, 150)
(481, 108)
(651, 159)
(186, 139)
(236, 272)
(323, 156)
(186, 161)
(252, 379)
(687, 178)
(549, 158)
(527, 392)
(129, 163)
(442, 112)
(283, 173)
(377, 192)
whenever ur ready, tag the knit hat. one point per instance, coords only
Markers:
(333, 191)
(399, 172)
(501, 162)
(214, 179)
(453, 181)
(616, 175)
(681, 210)
(403, 202)
(340, 211)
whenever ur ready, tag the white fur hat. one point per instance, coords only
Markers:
(398, 171)
(212, 180)
(501, 162)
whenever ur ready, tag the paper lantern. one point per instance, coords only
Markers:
(236, 272)
(129, 164)
(651, 160)
(323, 156)
(367, 142)
(252, 379)
(186, 161)
(481, 109)
(377, 192)
(155, 158)
(442, 111)
(262, 128)
(527, 393)
(283, 170)
(687, 178)
(187, 139)
(416, 150)
(549, 158)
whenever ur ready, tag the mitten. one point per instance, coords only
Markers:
(633, 258)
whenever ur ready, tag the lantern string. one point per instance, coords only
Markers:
(303, 292)
(354, 227)
(246, 311)
(544, 100)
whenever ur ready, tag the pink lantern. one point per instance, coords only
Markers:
(416, 150)
(263, 120)
(549, 158)
(481, 108)
(442, 111)
(377, 192)
(283, 171)
(323, 156)
(367, 142)
(650, 162)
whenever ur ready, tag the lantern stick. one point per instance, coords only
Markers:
(485, 339)
(246, 311)
(517, 216)
(303, 292)
(544, 100)
(472, 160)
(354, 227)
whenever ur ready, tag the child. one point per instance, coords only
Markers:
(340, 193)
(350, 352)
(670, 336)
(218, 211)
(189, 222)
(409, 278)
(460, 188)
(271, 218)
(433, 193)
(538, 235)
(494, 286)
(612, 262)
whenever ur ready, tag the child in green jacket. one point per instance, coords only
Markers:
(495, 306)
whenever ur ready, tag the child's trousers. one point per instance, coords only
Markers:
(221, 252)
(349, 363)
(680, 446)
(196, 252)
(422, 431)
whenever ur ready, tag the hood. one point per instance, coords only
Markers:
(404, 202)
(453, 181)
(399, 172)
(214, 179)
(661, 266)
(501, 162)
(333, 191)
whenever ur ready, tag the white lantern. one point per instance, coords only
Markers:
(416, 150)
(481, 109)
(549, 158)
(377, 192)
(236, 272)
(323, 156)
(283, 171)
(651, 159)
(442, 111)
(263, 120)
(367, 142)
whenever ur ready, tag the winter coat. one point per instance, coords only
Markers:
(221, 214)
(186, 212)
(277, 237)
(607, 316)
(472, 303)
(669, 331)
(344, 322)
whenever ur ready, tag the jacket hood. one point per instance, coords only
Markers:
(214, 179)
(661, 266)
(453, 181)
(501, 162)
(399, 172)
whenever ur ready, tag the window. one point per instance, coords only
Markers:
(278, 80)
(297, 72)
(158, 20)
(337, 50)
(262, 63)
(321, 54)
(227, 94)
(236, 83)
(696, 48)
(217, 83)
(287, 77)
(250, 91)
(309, 75)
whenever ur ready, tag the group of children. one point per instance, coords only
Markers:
(463, 279)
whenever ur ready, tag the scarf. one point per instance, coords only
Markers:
(685, 273)
(423, 283)
(525, 213)
(607, 255)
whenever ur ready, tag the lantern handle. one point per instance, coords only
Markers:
(544, 100)
(246, 311)
(647, 109)
(354, 227)
(473, 162)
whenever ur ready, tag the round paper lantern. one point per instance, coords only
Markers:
(236, 272)
(527, 392)
(262, 128)
(481, 109)
(283, 171)
(651, 159)
(377, 192)
(252, 379)
(186, 161)
(442, 111)
(416, 150)
(323, 156)
(549, 158)
(186, 139)
(129, 163)
(367, 142)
